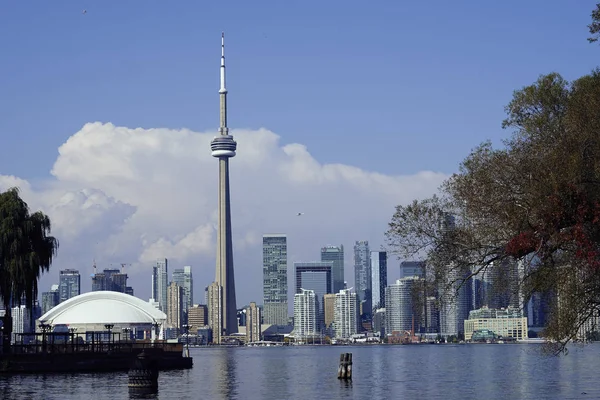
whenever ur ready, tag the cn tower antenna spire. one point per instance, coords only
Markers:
(223, 130)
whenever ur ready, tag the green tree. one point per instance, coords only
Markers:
(26, 250)
(535, 201)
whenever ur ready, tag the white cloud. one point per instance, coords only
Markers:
(123, 195)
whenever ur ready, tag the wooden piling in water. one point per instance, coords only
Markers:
(345, 368)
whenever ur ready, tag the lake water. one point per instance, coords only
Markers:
(379, 372)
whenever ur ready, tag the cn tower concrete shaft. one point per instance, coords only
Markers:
(223, 147)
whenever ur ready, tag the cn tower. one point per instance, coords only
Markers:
(223, 147)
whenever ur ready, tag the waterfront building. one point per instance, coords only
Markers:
(329, 312)
(505, 322)
(346, 314)
(93, 311)
(69, 284)
(362, 274)
(275, 285)
(455, 302)
(306, 314)
(253, 325)
(400, 312)
(335, 255)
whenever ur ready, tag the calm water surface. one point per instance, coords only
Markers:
(380, 372)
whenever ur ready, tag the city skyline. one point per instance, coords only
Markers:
(117, 126)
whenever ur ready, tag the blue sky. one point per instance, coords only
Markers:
(390, 86)
(387, 96)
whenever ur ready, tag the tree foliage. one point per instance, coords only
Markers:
(26, 250)
(535, 201)
(595, 25)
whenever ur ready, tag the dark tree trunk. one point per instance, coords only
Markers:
(7, 329)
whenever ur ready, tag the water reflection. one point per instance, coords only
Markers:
(226, 374)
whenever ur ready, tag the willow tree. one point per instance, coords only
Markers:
(535, 201)
(594, 27)
(26, 250)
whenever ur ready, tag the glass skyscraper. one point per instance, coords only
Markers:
(335, 254)
(183, 278)
(378, 279)
(275, 287)
(69, 284)
(362, 274)
(160, 283)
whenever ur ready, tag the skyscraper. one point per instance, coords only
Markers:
(378, 279)
(183, 278)
(50, 299)
(160, 283)
(362, 274)
(69, 284)
(335, 254)
(223, 147)
(345, 314)
(275, 287)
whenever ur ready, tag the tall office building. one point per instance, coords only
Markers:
(198, 317)
(160, 282)
(318, 277)
(346, 314)
(253, 317)
(223, 147)
(275, 287)
(362, 274)
(69, 284)
(335, 254)
(412, 268)
(455, 298)
(306, 314)
(113, 280)
(183, 278)
(378, 279)
(50, 299)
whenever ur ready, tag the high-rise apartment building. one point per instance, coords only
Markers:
(378, 279)
(329, 311)
(362, 274)
(69, 284)
(253, 317)
(197, 317)
(50, 299)
(335, 255)
(160, 282)
(346, 314)
(183, 278)
(175, 306)
(275, 287)
(215, 311)
(400, 310)
(306, 319)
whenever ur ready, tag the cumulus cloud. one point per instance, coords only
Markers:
(123, 195)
